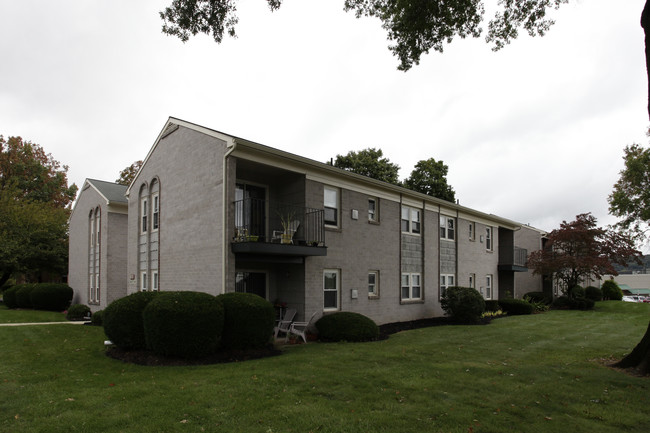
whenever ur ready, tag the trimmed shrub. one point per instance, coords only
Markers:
(123, 323)
(516, 307)
(346, 326)
(581, 304)
(492, 305)
(23, 295)
(97, 319)
(561, 302)
(536, 297)
(9, 297)
(577, 292)
(78, 312)
(51, 296)
(248, 321)
(594, 293)
(611, 291)
(183, 324)
(464, 304)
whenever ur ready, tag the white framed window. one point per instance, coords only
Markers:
(373, 211)
(487, 293)
(488, 239)
(411, 287)
(411, 220)
(144, 210)
(97, 227)
(446, 281)
(143, 281)
(373, 284)
(96, 299)
(331, 289)
(155, 211)
(447, 228)
(472, 281)
(91, 288)
(472, 231)
(331, 206)
(154, 281)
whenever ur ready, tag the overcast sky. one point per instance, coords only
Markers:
(534, 133)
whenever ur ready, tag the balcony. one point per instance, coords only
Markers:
(276, 232)
(513, 259)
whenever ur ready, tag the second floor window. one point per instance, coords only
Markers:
(144, 208)
(488, 238)
(331, 206)
(410, 220)
(372, 210)
(447, 228)
(155, 212)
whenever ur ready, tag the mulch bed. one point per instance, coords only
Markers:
(145, 357)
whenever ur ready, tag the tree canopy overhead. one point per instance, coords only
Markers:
(414, 27)
(580, 249)
(369, 162)
(430, 177)
(128, 174)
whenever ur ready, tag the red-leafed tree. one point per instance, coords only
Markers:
(579, 250)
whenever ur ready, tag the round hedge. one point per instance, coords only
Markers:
(248, 321)
(9, 297)
(78, 312)
(183, 324)
(123, 323)
(97, 319)
(537, 297)
(464, 304)
(516, 307)
(577, 292)
(611, 291)
(346, 326)
(51, 296)
(594, 293)
(23, 295)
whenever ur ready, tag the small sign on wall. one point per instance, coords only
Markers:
(355, 214)
(354, 293)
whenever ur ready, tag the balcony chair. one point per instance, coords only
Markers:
(283, 324)
(300, 328)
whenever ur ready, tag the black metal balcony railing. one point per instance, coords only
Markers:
(514, 257)
(260, 221)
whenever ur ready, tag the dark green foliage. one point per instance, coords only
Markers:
(346, 326)
(516, 307)
(24, 295)
(371, 163)
(97, 319)
(492, 305)
(464, 304)
(581, 304)
(611, 291)
(430, 177)
(9, 297)
(577, 292)
(183, 324)
(248, 321)
(561, 302)
(78, 312)
(594, 293)
(123, 322)
(537, 297)
(51, 296)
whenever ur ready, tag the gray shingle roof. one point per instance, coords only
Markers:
(113, 192)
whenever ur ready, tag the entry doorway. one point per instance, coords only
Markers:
(251, 282)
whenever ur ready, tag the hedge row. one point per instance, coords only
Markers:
(41, 296)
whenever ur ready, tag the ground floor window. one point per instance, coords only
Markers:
(373, 284)
(488, 287)
(251, 282)
(154, 281)
(331, 289)
(446, 281)
(411, 287)
(472, 281)
(143, 281)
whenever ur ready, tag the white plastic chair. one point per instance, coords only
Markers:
(300, 328)
(284, 323)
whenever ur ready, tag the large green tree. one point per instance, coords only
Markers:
(34, 207)
(369, 162)
(580, 250)
(430, 177)
(128, 174)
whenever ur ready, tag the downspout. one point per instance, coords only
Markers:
(399, 271)
(225, 205)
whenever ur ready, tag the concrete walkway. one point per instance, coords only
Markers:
(67, 322)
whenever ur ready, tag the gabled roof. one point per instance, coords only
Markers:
(112, 192)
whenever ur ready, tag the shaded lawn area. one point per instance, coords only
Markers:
(29, 316)
(541, 373)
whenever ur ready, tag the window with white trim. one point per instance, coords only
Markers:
(331, 289)
(143, 281)
(411, 287)
(488, 287)
(97, 287)
(91, 288)
(373, 214)
(410, 220)
(488, 239)
(472, 281)
(155, 211)
(154, 281)
(331, 206)
(472, 231)
(144, 210)
(447, 228)
(446, 281)
(373, 284)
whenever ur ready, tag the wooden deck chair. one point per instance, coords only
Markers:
(284, 323)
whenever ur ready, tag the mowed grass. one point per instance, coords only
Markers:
(29, 316)
(541, 373)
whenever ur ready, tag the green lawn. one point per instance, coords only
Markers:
(541, 373)
(29, 316)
